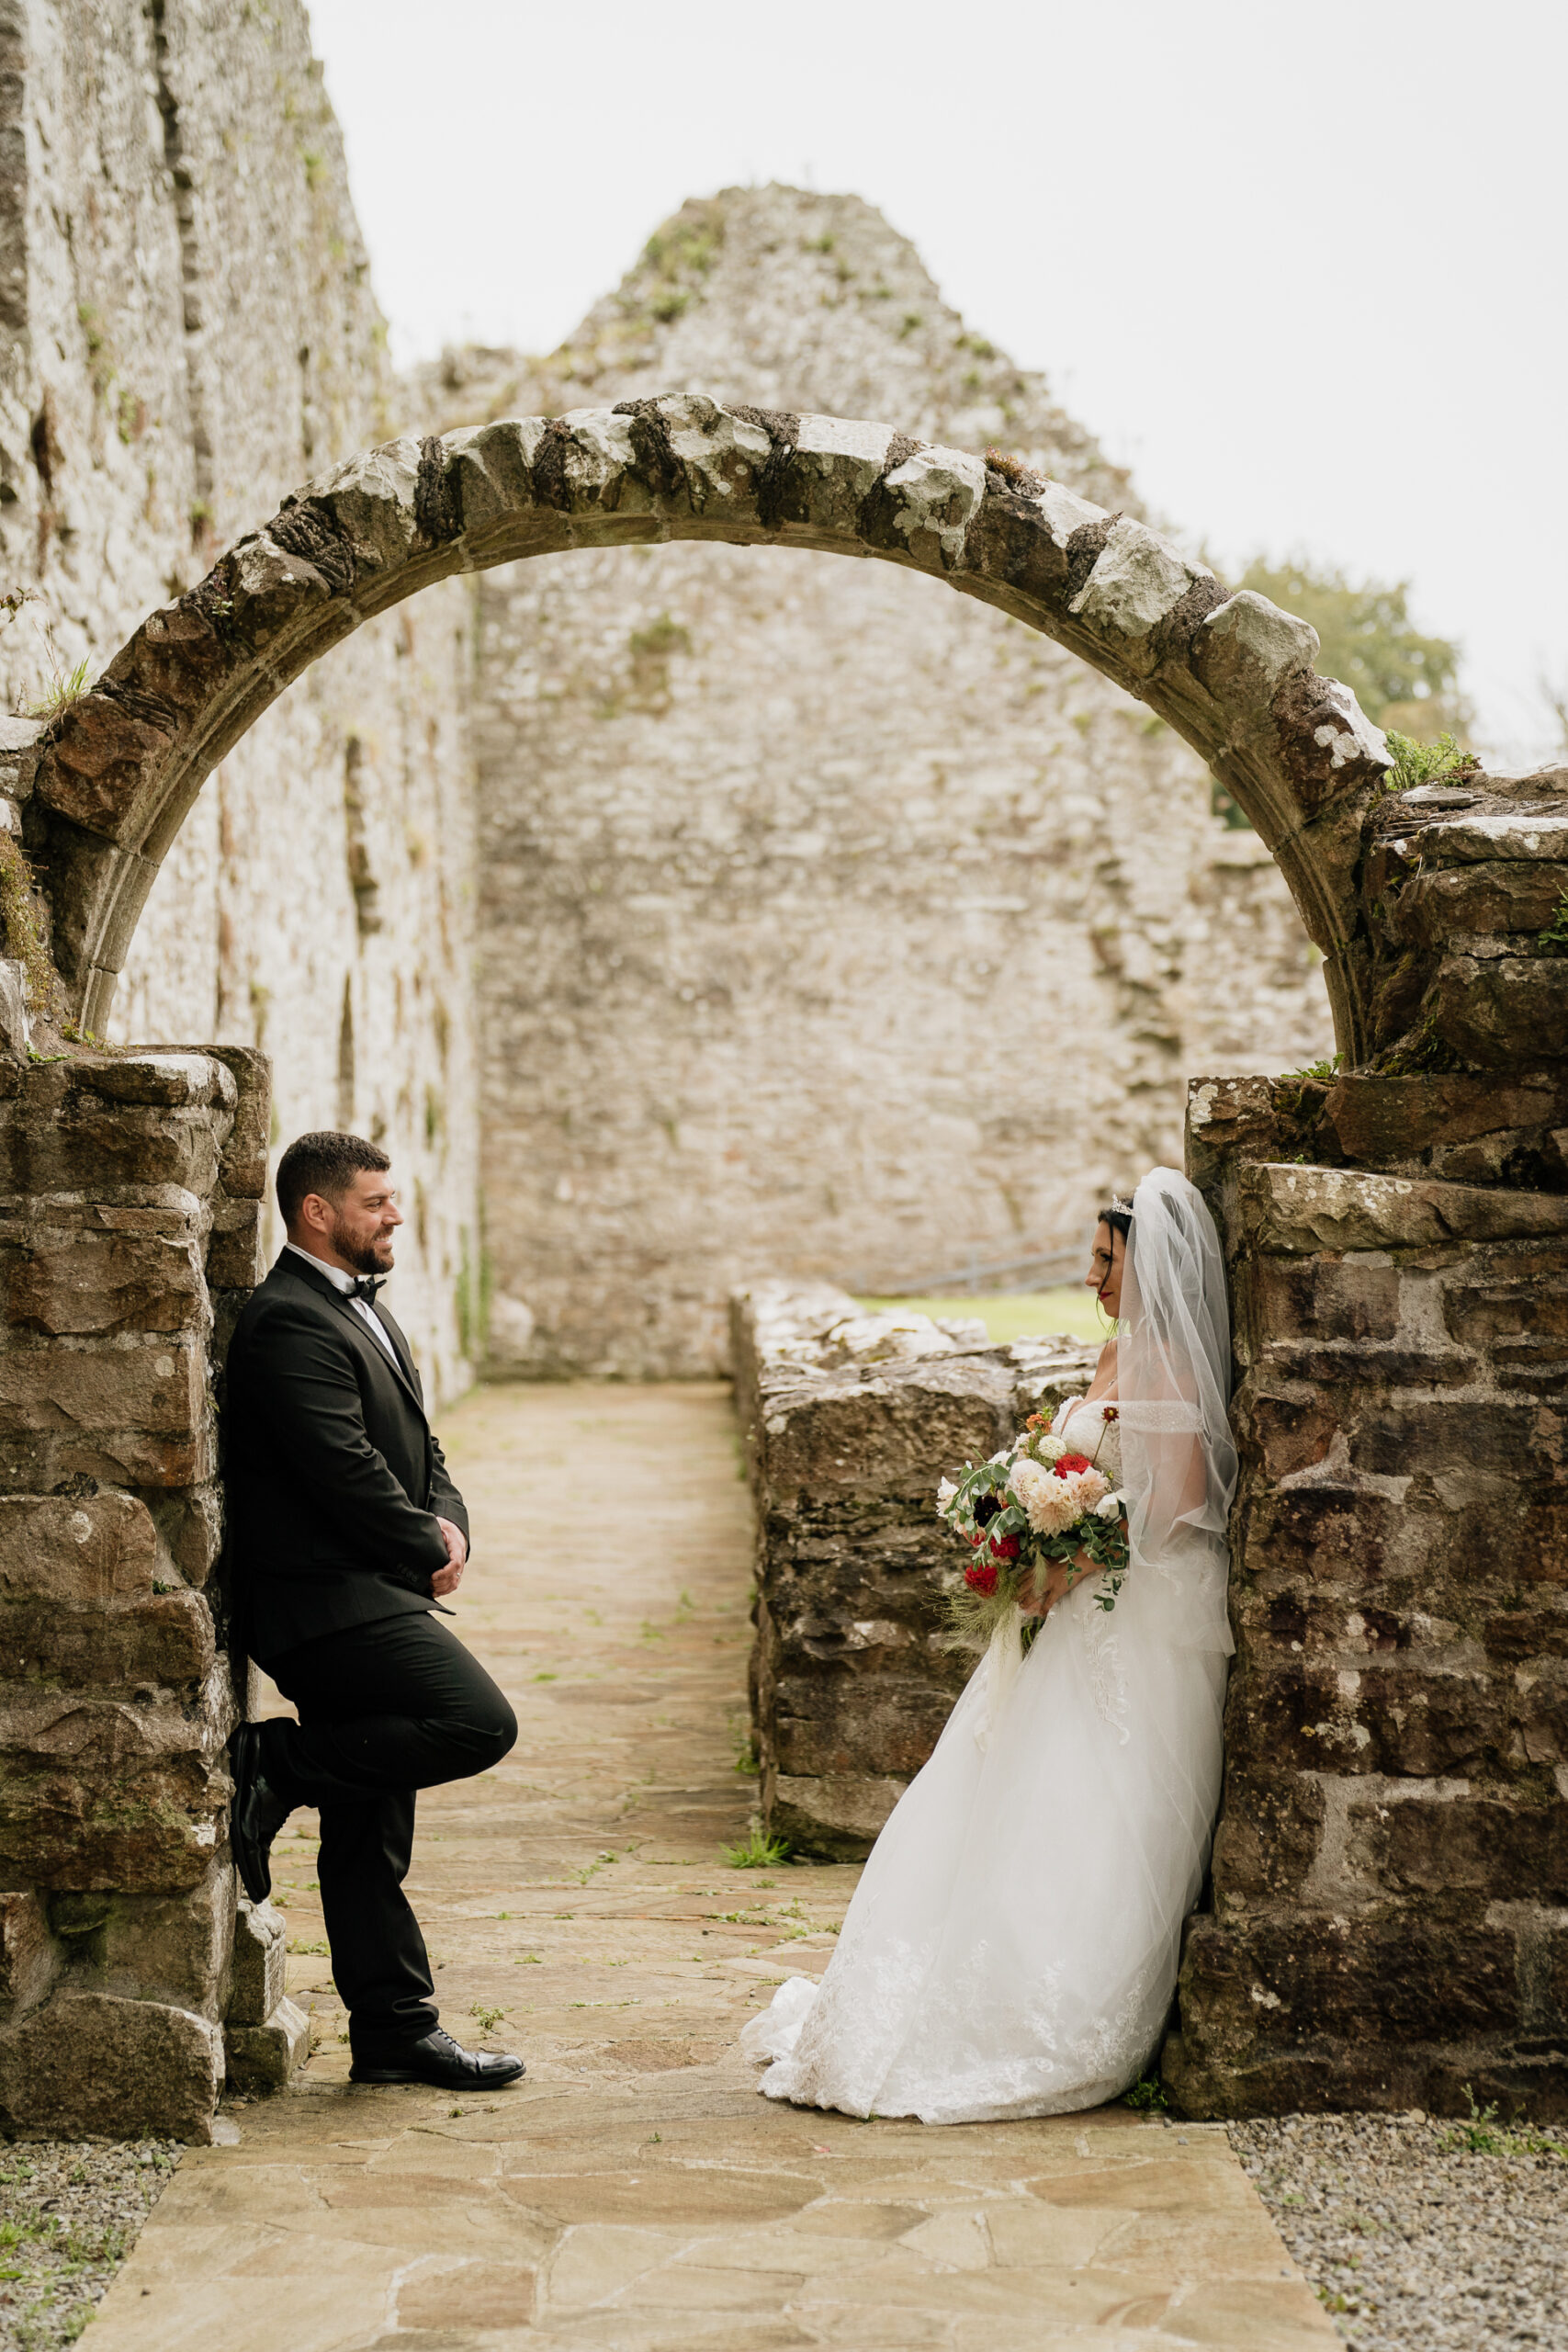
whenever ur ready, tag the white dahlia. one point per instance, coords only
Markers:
(1046, 1500)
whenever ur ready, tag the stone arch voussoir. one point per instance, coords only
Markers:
(1231, 673)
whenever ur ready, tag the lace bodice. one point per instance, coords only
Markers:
(1087, 1431)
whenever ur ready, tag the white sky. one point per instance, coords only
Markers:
(1301, 268)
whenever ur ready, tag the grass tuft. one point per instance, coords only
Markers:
(757, 1851)
(1484, 2136)
(62, 688)
(1553, 940)
(24, 940)
(1444, 761)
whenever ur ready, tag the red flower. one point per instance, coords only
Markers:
(1005, 1547)
(981, 1579)
(1070, 1461)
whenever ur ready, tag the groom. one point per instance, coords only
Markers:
(345, 1532)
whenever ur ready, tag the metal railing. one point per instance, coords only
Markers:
(1045, 1266)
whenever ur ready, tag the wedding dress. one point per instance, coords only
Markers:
(1011, 1948)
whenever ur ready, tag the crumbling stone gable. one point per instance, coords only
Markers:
(826, 924)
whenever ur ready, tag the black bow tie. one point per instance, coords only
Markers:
(365, 1288)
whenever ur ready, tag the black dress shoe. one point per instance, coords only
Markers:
(256, 1813)
(436, 2058)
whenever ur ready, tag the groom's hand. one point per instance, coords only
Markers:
(448, 1578)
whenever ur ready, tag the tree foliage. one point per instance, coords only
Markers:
(1400, 678)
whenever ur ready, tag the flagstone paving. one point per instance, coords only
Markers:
(634, 2193)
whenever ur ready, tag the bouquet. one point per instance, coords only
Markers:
(1033, 1504)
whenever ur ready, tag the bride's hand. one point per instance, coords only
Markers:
(1058, 1582)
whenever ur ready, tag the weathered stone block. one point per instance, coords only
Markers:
(1300, 1211)
(154, 1831)
(1270, 1834)
(160, 1638)
(1330, 1529)
(1485, 900)
(163, 1076)
(1498, 1298)
(85, 1124)
(99, 1270)
(97, 1547)
(191, 1525)
(1384, 1717)
(1285, 1432)
(1504, 1012)
(1468, 1127)
(1295, 1982)
(29, 1955)
(133, 1415)
(1391, 1438)
(242, 1169)
(148, 1947)
(128, 1793)
(838, 1815)
(1327, 1298)
(234, 1250)
(260, 1962)
(1359, 1368)
(91, 2062)
(262, 2058)
(1456, 1844)
(837, 1722)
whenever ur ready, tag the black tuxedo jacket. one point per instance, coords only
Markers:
(332, 1475)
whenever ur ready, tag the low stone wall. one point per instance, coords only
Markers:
(1390, 1921)
(130, 1196)
(850, 1419)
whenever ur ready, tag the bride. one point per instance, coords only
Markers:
(1012, 1947)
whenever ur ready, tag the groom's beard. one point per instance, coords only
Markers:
(364, 1257)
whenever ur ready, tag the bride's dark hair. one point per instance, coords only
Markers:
(1119, 1220)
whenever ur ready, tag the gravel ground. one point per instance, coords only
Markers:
(70, 2212)
(1419, 2234)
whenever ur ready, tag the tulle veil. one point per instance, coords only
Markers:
(1179, 1458)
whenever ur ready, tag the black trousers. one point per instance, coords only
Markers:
(385, 1709)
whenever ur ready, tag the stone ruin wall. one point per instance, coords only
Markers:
(132, 1984)
(189, 332)
(828, 924)
(849, 1420)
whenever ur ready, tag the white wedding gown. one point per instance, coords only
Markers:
(1011, 1948)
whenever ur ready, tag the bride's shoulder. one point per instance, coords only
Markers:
(1107, 1358)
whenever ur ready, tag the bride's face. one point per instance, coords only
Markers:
(1105, 1275)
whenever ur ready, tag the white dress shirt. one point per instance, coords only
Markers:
(345, 1282)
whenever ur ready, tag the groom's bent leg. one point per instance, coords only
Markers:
(395, 1704)
(379, 1964)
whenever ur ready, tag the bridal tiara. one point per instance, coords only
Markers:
(1123, 1207)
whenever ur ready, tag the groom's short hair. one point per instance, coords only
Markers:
(323, 1162)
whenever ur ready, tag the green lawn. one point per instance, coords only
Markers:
(1016, 1315)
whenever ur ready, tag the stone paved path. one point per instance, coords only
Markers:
(636, 2193)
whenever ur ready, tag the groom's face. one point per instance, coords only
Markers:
(365, 1219)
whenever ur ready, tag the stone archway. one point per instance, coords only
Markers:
(1230, 673)
(1397, 1235)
